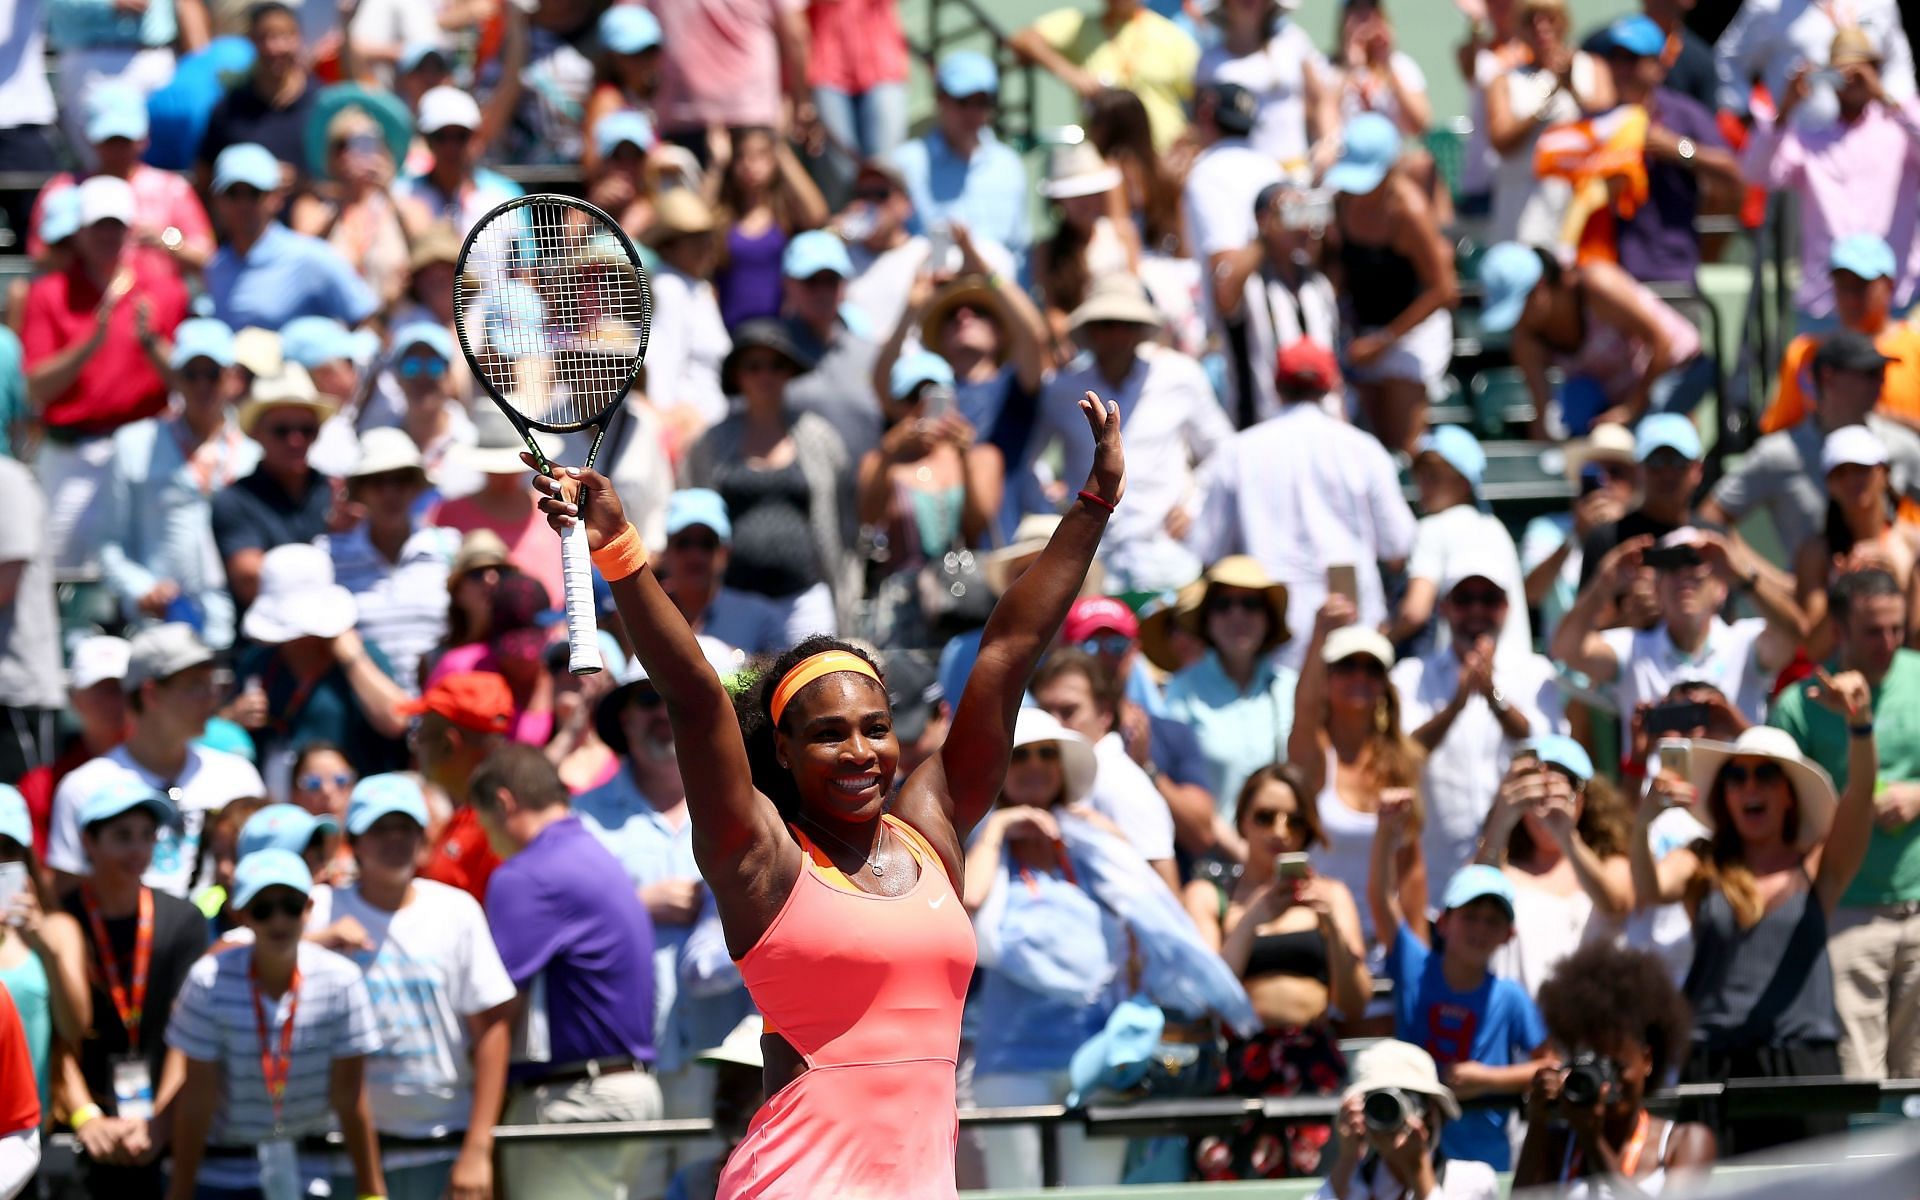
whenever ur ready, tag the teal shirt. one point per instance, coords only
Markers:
(84, 24)
(1239, 731)
(13, 389)
(1891, 872)
(26, 982)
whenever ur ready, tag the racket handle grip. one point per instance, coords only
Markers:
(583, 632)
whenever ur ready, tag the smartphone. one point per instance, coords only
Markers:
(1342, 580)
(1676, 756)
(13, 880)
(1681, 717)
(1827, 76)
(1592, 479)
(936, 401)
(1292, 866)
(1307, 210)
(1667, 558)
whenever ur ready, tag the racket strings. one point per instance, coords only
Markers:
(563, 311)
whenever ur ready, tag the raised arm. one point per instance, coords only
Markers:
(1663, 881)
(964, 778)
(1577, 642)
(1310, 695)
(1846, 845)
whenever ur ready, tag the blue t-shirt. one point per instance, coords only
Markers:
(283, 276)
(1495, 1024)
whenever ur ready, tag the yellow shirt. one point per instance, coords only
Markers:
(1149, 56)
(1899, 395)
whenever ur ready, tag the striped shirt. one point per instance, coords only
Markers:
(402, 605)
(213, 1021)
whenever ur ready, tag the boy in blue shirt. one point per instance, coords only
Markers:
(1483, 1031)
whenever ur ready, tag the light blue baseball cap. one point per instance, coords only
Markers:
(15, 822)
(415, 53)
(814, 251)
(698, 506)
(422, 333)
(1637, 35)
(116, 110)
(1666, 431)
(377, 795)
(967, 73)
(1864, 254)
(912, 370)
(201, 337)
(629, 29)
(264, 869)
(1508, 272)
(60, 215)
(1118, 1056)
(312, 341)
(1368, 149)
(124, 795)
(282, 826)
(1563, 752)
(1458, 449)
(249, 163)
(1474, 881)
(621, 128)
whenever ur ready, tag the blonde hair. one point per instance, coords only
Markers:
(1724, 868)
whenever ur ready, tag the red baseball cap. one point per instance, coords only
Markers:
(1306, 365)
(1095, 613)
(476, 700)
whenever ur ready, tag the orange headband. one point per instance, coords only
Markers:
(813, 667)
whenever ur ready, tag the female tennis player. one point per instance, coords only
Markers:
(841, 905)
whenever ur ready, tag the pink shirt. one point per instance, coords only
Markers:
(856, 45)
(528, 728)
(162, 200)
(532, 545)
(723, 62)
(1847, 183)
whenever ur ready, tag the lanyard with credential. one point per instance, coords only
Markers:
(129, 1003)
(275, 1066)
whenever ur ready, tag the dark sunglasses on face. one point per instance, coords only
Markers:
(1665, 459)
(289, 432)
(981, 100)
(1046, 753)
(1222, 604)
(874, 195)
(1112, 645)
(758, 365)
(313, 782)
(361, 143)
(1363, 664)
(244, 192)
(1483, 597)
(644, 698)
(450, 134)
(414, 368)
(209, 374)
(1268, 818)
(1737, 774)
(268, 908)
(694, 541)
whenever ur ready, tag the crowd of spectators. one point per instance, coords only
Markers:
(307, 828)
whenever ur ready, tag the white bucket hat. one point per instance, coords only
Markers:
(1077, 764)
(498, 444)
(1812, 786)
(1078, 170)
(385, 449)
(1402, 1065)
(1003, 565)
(298, 597)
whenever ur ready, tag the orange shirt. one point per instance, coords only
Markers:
(19, 1094)
(1899, 397)
(462, 857)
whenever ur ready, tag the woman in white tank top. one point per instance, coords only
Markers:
(1616, 1018)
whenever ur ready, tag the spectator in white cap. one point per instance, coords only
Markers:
(167, 215)
(394, 564)
(265, 274)
(1227, 175)
(270, 105)
(90, 337)
(284, 500)
(1469, 705)
(97, 700)
(1694, 572)
(1448, 469)
(30, 691)
(455, 187)
(170, 696)
(157, 552)
(958, 170)
(693, 570)
(1860, 530)
(309, 676)
(1093, 238)
(1389, 1127)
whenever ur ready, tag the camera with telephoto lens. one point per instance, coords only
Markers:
(1590, 1080)
(1387, 1110)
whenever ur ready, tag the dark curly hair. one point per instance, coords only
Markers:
(1601, 991)
(753, 706)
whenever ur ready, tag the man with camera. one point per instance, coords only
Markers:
(1694, 570)
(1389, 1126)
(1874, 937)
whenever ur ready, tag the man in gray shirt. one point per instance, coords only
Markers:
(31, 688)
(1781, 473)
(839, 389)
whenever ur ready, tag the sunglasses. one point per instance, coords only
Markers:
(244, 192)
(758, 365)
(980, 100)
(1268, 818)
(450, 134)
(874, 195)
(361, 143)
(314, 782)
(645, 698)
(1113, 645)
(299, 429)
(1222, 604)
(970, 310)
(1361, 663)
(200, 374)
(286, 906)
(414, 368)
(1737, 775)
(708, 542)
(1665, 459)
(1045, 753)
(1483, 597)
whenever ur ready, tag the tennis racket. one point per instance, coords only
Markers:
(553, 309)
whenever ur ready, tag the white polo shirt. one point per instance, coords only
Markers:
(206, 784)
(1650, 664)
(1465, 531)
(1123, 794)
(1221, 187)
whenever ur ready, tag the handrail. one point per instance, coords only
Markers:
(1008, 62)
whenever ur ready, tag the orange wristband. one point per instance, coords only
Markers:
(622, 556)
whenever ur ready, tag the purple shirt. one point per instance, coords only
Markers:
(1659, 244)
(564, 910)
(1847, 185)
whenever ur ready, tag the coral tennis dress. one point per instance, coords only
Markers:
(868, 989)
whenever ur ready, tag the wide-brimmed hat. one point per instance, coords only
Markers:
(1240, 571)
(385, 109)
(1159, 619)
(1077, 764)
(290, 387)
(1852, 44)
(298, 597)
(479, 549)
(438, 243)
(498, 445)
(1077, 169)
(1003, 564)
(763, 333)
(386, 449)
(1606, 442)
(1395, 1064)
(1116, 298)
(970, 290)
(678, 212)
(1812, 786)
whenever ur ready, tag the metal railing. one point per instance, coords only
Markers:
(1017, 121)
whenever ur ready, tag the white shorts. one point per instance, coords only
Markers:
(1422, 356)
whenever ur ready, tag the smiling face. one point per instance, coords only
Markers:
(1035, 776)
(1474, 609)
(387, 850)
(124, 845)
(1357, 682)
(1476, 929)
(1069, 698)
(1238, 620)
(1756, 795)
(836, 737)
(1856, 487)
